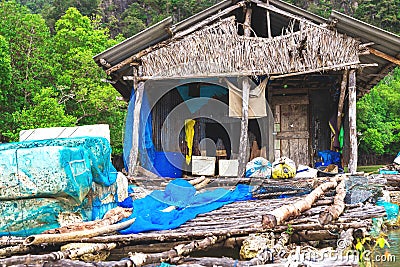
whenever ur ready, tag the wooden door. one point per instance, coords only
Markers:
(291, 124)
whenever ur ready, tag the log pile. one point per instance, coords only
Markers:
(318, 216)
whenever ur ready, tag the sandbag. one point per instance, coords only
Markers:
(283, 168)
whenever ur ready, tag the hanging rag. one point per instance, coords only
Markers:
(189, 131)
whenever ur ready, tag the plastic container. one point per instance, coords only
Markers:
(169, 164)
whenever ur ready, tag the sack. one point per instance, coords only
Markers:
(258, 167)
(283, 168)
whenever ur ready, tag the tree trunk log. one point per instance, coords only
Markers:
(245, 105)
(76, 236)
(111, 217)
(334, 211)
(279, 215)
(55, 256)
(140, 259)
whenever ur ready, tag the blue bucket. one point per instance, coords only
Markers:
(169, 164)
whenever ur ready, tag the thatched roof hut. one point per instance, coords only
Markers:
(309, 70)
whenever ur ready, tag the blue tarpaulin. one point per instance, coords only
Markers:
(146, 146)
(150, 211)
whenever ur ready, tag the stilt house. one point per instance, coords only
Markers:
(254, 78)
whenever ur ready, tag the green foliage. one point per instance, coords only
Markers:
(382, 13)
(378, 117)
(5, 65)
(55, 80)
(45, 111)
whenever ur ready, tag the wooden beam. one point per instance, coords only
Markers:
(384, 56)
(181, 34)
(134, 153)
(352, 122)
(268, 22)
(339, 66)
(341, 99)
(245, 106)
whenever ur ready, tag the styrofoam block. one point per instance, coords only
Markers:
(228, 167)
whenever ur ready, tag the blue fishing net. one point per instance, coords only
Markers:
(150, 211)
(39, 180)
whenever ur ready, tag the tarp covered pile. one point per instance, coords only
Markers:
(45, 182)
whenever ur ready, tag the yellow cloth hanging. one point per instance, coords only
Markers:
(189, 131)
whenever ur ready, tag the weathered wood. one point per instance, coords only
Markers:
(343, 86)
(177, 36)
(352, 122)
(12, 250)
(77, 235)
(290, 100)
(134, 153)
(245, 106)
(111, 217)
(334, 67)
(141, 259)
(279, 215)
(55, 256)
(333, 212)
(268, 22)
(384, 56)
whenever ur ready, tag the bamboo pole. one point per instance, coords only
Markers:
(245, 105)
(76, 236)
(341, 99)
(352, 122)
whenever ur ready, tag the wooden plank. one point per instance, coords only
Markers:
(277, 116)
(245, 106)
(293, 135)
(280, 100)
(304, 157)
(285, 148)
(341, 99)
(352, 122)
(294, 150)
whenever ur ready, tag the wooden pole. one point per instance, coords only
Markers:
(341, 99)
(134, 153)
(268, 22)
(245, 106)
(352, 122)
(384, 56)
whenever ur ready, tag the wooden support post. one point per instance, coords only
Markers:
(341, 99)
(268, 22)
(352, 122)
(245, 106)
(134, 153)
